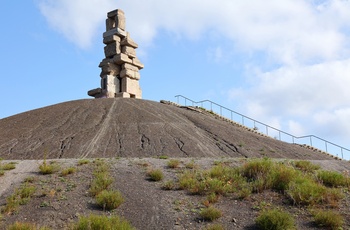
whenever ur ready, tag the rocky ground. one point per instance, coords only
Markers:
(60, 200)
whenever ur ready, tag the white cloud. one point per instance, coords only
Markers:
(77, 20)
(303, 69)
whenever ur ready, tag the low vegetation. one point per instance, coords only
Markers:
(83, 162)
(155, 174)
(109, 200)
(210, 213)
(68, 171)
(101, 222)
(25, 226)
(20, 196)
(106, 198)
(6, 167)
(328, 219)
(173, 163)
(275, 219)
(48, 168)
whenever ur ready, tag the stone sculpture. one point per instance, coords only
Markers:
(120, 68)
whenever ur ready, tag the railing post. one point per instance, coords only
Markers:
(267, 130)
(326, 146)
(311, 141)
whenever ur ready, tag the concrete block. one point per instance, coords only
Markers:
(130, 67)
(112, 49)
(115, 31)
(111, 39)
(94, 92)
(130, 51)
(123, 95)
(130, 74)
(110, 68)
(130, 86)
(136, 62)
(121, 59)
(127, 41)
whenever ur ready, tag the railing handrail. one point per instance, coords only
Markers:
(261, 123)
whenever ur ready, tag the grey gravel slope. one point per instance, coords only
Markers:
(133, 128)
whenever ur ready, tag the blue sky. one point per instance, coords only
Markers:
(285, 63)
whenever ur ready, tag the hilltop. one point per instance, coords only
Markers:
(133, 128)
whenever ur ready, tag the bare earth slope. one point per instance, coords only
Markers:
(133, 128)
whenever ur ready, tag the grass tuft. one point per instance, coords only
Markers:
(46, 168)
(68, 171)
(215, 227)
(102, 222)
(328, 219)
(173, 163)
(306, 166)
(109, 200)
(155, 174)
(101, 181)
(332, 179)
(83, 162)
(8, 166)
(275, 220)
(210, 213)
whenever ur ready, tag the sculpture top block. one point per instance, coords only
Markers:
(120, 68)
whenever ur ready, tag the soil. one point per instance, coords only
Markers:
(131, 135)
(59, 201)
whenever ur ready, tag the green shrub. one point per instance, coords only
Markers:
(210, 213)
(22, 226)
(12, 203)
(95, 222)
(83, 161)
(305, 191)
(281, 176)
(173, 163)
(332, 179)
(46, 168)
(257, 169)
(68, 171)
(191, 165)
(212, 198)
(329, 219)
(259, 173)
(169, 185)
(27, 191)
(2, 172)
(101, 181)
(8, 166)
(29, 179)
(275, 220)
(163, 157)
(215, 227)
(109, 200)
(306, 166)
(155, 174)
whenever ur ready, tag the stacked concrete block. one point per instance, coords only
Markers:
(120, 68)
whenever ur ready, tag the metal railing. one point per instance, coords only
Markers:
(311, 140)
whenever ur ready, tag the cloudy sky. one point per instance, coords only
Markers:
(285, 63)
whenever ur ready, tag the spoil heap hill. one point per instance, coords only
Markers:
(133, 128)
